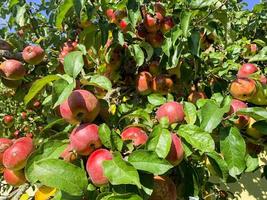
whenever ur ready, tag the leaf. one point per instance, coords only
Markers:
(196, 4)
(261, 56)
(12, 3)
(190, 112)
(212, 115)
(100, 81)
(197, 137)
(62, 175)
(105, 135)
(119, 171)
(252, 163)
(148, 161)
(194, 43)
(261, 126)
(73, 63)
(125, 196)
(148, 48)
(185, 21)
(137, 53)
(160, 142)
(116, 140)
(20, 17)
(133, 12)
(37, 86)
(65, 94)
(233, 148)
(62, 11)
(156, 99)
(167, 46)
(257, 113)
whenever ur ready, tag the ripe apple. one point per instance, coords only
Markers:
(94, 166)
(4, 144)
(242, 120)
(143, 83)
(69, 46)
(33, 54)
(68, 154)
(253, 132)
(136, 134)
(247, 69)
(152, 24)
(162, 84)
(263, 80)
(81, 105)
(12, 70)
(167, 24)
(110, 14)
(176, 154)
(84, 139)
(8, 119)
(172, 110)
(159, 10)
(15, 157)
(119, 15)
(163, 189)
(14, 178)
(243, 88)
(123, 25)
(195, 96)
(155, 39)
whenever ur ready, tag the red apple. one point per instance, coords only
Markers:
(14, 178)
(163, 189)
(176, 154)
(195, 96)
(167, 24)
(8, 119)
(136, 134)
(159, 10)
(141, 30)
(143, 83)
(263, 80)
(94, 166)
(110, 14)
(162, 84)
(155, 39)
(15, 157)
(12, 70)
(33, 54)
(242, 120)
(84, 139)
(4, 144)
(247, 69)
(123, 24)
(243, 88)
(81, 105)
(152, 24)
(68, 154)
(172, 110)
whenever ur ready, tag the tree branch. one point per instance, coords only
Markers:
(10, 55)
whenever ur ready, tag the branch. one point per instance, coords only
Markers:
(10, 55)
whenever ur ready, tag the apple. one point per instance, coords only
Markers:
(81, 106)
(151, 23)
(195, 96)
(159, 10)
(136, 134)
(143, 83)
(246, 70)
(68, 154)
(33, 55)
(12, 70)
(8, 119)
(172, 110)
(119, 15)
(110, 14)
(13, 84)
(163, 189)
(141, 30)
(263, 80)
(23, 115)
(176, 154)
(155, 39)
(4, 144)
(123, 25)
(84, 139)
(14, 178)
(242, 120)
(162, 84)
(15, 157)
(94, 166)
(243, 88)
(253, 132)
(69, 46)
(167, 24)
(154, 67)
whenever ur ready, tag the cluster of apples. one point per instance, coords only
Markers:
(13, 158)
(81, 109)
(13, 71)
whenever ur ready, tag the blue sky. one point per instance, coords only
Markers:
(251, 3)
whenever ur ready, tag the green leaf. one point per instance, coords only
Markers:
(62, 11)
(156, 99)
(252, 163)
(233, 148)
(73, 63)
(116, 140)
(149, 161)
(185, 21)
(160, 141)
(125, 196)
(167, 46)
(261, 126)
(196, 4)
(133, 12)
(148, 48)
(20, 17)
(37, 86)
(190, 112)
(119, 171)
(194, 43)
(137, 53)
(257, 113)
(12, 3)
(261, 56)
(212, 115)
(197, 137)
(62, 175)
(100, 81)
(105, 135)
(65, 94)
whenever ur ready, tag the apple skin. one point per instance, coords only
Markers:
(81, 105)
(8, 119)
(33, 55)
(12, 70)
(263, 80)
(162, 84)
(111, 14)
(84, 139)
(123, 25)
(176, 154)
(11, 83)
(243, 88)
(143, 83)
(155, 39)
(136, 134)
(141, 30)
(247, 69)
(167, 24)
(15, 157)
(242, 120)
(94, 166)
(68, 155)
(5, 143)
(253, 132)
(14, 178)
(195, 96)
(163, 189)
(151, 23)
(172, 110)
(159, 10)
